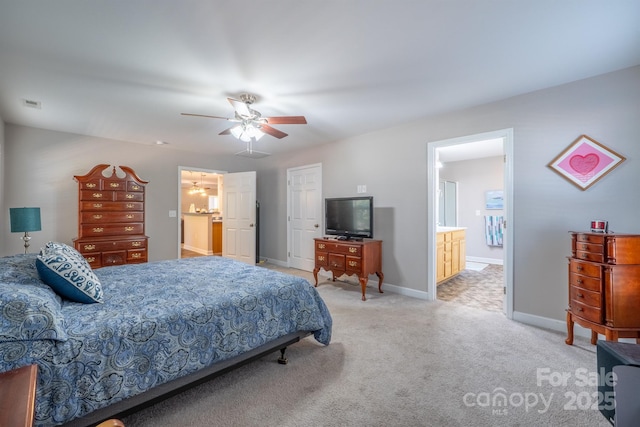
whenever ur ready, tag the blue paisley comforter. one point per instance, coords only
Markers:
(159, 321)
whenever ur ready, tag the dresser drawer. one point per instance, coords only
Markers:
(590, 247)
(590, 256)
(114, 258)
(111, 206)
(117, 185)
(96, 195)
(585, 268)
(586, 297)
(138, 255)
(91, 247)
(585, 282)
(92, 230)
(126, 196)
(106, 217)
(597, 239)
(587, 312)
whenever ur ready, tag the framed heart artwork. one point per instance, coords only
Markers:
(585, 161)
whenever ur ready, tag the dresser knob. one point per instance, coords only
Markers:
(580, 295)
(579, 309)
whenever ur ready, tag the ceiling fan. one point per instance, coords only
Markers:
(251, 126)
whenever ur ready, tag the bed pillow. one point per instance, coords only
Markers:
(29, 309)
(67, 272)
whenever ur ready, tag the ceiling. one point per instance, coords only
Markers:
(126, 70)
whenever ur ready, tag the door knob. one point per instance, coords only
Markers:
(316, 225)
(251, 225)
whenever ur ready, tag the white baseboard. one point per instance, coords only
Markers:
(496, 261)
(197, 250)
(413, 293)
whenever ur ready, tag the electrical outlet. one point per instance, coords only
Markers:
(362, 188)
(173, 214)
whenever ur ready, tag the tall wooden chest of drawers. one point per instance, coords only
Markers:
(111, 217)
(350, 257)
(604, 285)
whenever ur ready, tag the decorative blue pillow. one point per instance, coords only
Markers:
(29, 309)
(68, 273)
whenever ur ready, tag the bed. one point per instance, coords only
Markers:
(159, 328)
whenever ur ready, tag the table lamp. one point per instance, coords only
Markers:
(25, 220)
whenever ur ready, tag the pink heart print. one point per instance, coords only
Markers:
(584, 164)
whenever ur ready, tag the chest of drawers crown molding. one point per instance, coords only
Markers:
(604, 285)
(111, 217)
(361, 258)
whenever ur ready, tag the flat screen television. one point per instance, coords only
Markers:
(349, 217)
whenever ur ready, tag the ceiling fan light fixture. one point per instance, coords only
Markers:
(246, 132)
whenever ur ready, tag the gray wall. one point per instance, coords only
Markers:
(41, 164)
(474, 178)
(393, 164)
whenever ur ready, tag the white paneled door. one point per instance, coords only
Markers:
(305, 214)
(239, 216)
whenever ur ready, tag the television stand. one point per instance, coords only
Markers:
(350, 257)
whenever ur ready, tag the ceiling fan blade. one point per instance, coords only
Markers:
(287, 120)
(204, 115)
(240, 107)
(226, 132)
(272, 131)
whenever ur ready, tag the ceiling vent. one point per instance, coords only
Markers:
(30, 103)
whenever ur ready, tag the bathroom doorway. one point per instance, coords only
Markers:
(471, 217)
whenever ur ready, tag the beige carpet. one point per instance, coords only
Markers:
(398, 361)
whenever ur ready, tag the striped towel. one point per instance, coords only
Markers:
(494, 229)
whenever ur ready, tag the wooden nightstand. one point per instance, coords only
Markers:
(18, 396)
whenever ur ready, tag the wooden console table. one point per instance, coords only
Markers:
(350, 257)
(18, 396)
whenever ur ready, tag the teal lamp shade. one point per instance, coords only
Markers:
(24, 220)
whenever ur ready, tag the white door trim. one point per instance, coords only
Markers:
(432, 194)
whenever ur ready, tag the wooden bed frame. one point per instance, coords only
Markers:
(159, 393)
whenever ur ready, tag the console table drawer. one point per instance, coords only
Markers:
(336, 261)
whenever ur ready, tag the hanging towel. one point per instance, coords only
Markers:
(494, 229)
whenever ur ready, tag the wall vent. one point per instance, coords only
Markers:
(32, 104)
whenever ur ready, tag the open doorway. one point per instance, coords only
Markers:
(468, 234)
(200, 212)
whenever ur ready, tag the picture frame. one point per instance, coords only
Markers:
(494, 199)
(585, 161)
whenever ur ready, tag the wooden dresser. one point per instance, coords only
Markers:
(111, 217)
(604, 285)
(350, 257)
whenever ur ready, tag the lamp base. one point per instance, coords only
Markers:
(26, 239)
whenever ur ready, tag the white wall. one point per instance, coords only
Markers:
(392, 163)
